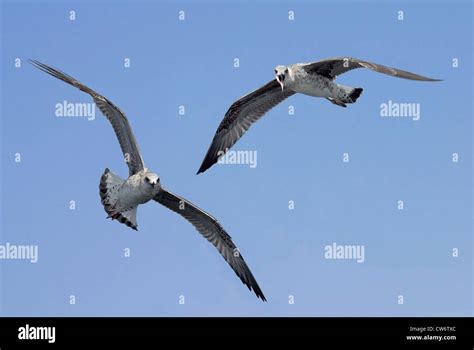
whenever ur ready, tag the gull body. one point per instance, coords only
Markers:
(138, 189)
(294, 78)
(316, 79)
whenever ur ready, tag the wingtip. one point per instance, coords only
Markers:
(33, 62)
(431, 79)
(259, 294)
(256, 289)
(202, 168)
(211, 158)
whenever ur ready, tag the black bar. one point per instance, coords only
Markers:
(356, 331)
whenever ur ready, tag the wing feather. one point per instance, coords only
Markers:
(332, 67)
(240, 117)
(212, 230)
(116, 117)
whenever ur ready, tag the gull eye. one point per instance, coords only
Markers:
(147, 179)
(276, 72)
(286, 71)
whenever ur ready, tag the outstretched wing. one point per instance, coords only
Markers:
(240, 116)
(332, 67)
(116, 117)
(210, 228)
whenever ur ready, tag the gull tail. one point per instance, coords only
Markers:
(354, 95)
(345, 94)
(110, 185)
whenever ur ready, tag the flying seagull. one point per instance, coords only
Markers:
(313, 79)
(121, 198)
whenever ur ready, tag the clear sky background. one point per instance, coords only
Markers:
(191, 63)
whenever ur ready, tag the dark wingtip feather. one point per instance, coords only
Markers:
(256, 289)
(429, 79)
(423, 78)
(249, 280)
(208, 161)
(55, 73)
(258, 292)
(203, 168)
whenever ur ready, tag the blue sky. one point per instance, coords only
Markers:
(190, 63)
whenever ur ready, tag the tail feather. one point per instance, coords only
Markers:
(354, 95)
(108, 189)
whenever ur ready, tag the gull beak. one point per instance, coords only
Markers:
(280, 78)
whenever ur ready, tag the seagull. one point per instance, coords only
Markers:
(121, 198)
(314, 79)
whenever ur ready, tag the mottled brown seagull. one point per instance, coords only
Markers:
(313, 79)
(121, 198)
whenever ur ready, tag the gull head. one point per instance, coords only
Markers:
(152, 179)
(281, 73)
